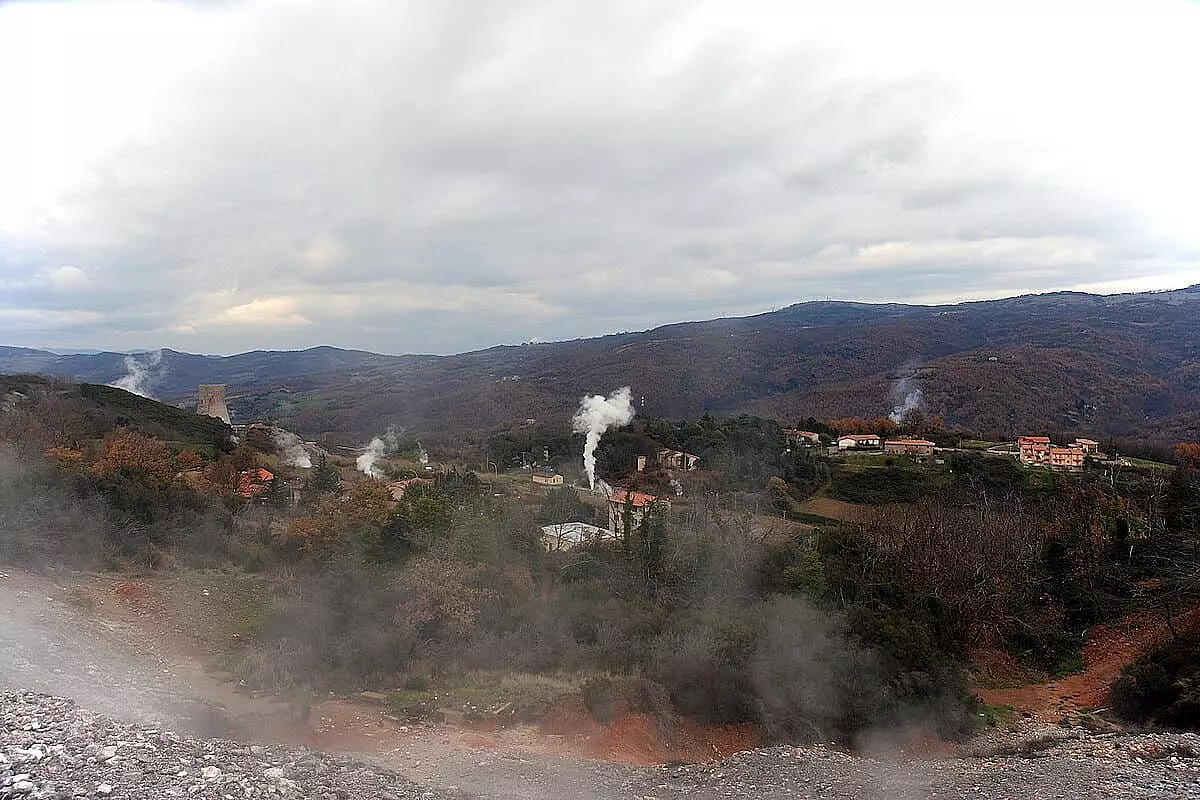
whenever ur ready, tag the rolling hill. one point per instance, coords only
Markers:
(1113, 365)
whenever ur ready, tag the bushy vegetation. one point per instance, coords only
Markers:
(825, 631)
(1163, 687)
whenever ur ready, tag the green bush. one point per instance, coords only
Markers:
(1163, 687)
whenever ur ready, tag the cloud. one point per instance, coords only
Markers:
(68, 279)
(266, 312)
(436, 177)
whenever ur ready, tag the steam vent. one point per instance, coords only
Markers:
(212, 401)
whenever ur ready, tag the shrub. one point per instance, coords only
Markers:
(1163, 686)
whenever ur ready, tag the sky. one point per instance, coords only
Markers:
(220, 176)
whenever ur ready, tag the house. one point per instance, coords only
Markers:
(569, 535)
(398, 488)
(1066, 458)
(1033, 449)
(801, 438)
(632, 506)
(909, 447)
(254, 483)
(1088, 446)
(859, 441)
(676, 459)
(547, 477)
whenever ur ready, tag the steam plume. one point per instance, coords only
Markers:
(377, 449)
(139, 373)
(424, 457)
(291, 449)
(908, 396)
(597, 414)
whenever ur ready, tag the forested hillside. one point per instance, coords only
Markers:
(1094, 365)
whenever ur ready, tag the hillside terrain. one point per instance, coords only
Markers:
(1116, 365)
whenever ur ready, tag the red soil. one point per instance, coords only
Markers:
(1107, 651)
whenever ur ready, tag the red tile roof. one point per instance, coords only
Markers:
(639, 500)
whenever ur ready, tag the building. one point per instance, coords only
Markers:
(677, 459)
(633, 507)
(802, 438)
(1034, 450)
(909, 447)
(254, 483)
(547, 477)
(569, 535)
(859, 441)
(398, 488)
(1040, 451)
(1066, 458)
(211, 401)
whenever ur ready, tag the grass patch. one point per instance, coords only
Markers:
(996, 716)
(518, 696)
(1141, 463)
(1070, 666)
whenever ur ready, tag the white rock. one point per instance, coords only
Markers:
(211, 772)
(104, 788)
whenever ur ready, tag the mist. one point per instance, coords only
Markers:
(141, 373)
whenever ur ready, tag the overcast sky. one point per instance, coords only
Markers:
(440, 176)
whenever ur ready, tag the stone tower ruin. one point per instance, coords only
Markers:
(212, 401)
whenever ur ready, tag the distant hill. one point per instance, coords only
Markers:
(82, 411)
(1066, 362)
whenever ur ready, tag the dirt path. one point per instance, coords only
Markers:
(1106, 653)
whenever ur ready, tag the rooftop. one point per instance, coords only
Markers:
(638, 499)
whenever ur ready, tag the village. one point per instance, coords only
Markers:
(639, 493)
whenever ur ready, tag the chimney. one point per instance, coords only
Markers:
(212, 401)
(641, 463)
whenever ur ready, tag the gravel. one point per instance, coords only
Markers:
(1129, 766)
(51, 748)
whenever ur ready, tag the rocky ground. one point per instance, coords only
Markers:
(52, 748)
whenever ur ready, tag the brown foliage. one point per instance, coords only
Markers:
(126, 449)
(1187, 454)
(337, 520)
(440, 594)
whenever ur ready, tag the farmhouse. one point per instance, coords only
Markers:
(1040, 451)
(547, 477)
(254, 483)
(909, 447)
(1033, 449)
(632, 507)
(676, 459)
(858, 441)
(802, 438)
(398, 488)
(1066, 458)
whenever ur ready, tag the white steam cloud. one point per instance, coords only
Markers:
(424, 457)
(597, 414)
(377, 449)
(291, 449)
(139, 373)
(908, 396)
